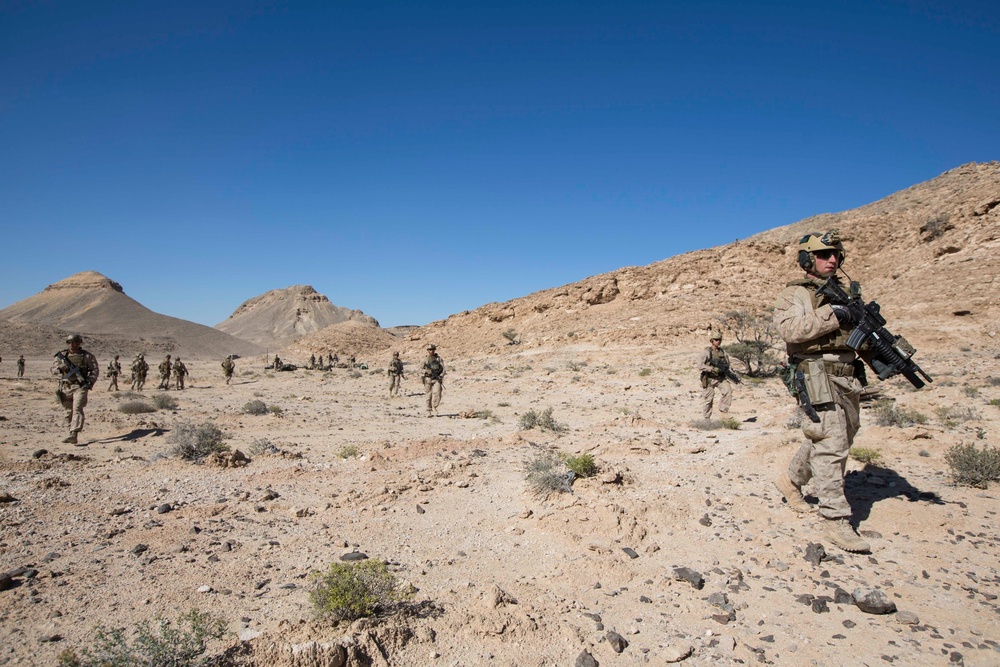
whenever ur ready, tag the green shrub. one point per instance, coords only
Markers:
(865, 455)
(275, 410)
(995, 402)
(971, 392)
(261, 446)
(645, 372)
(165, 401)
(706, 424)
(348, 591)
(503, 404)
(951, 416)
(194, 442)
(255, 407)
(136, 407)
(348, 451)
(583, 464)
(730, 423)
(161, 644)
(547, 474)
(887, 413)
(542, 421)
(973, 467)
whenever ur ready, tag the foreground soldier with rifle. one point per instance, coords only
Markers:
(77, 370)
(827, 333)
(716, 374)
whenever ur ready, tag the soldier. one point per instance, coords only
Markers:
(335, 359)
(228, 367)
(711, 362)
(180, 370)
(139, 370)
(20, 367)
(277, 363)
(77, 370)
(395, 374)
(114, 370)
(312, 361)
(164, 369)
(433, 379)
(815, 334)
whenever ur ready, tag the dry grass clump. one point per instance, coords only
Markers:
(255, 407)
(973, 467)
(865, 455)
(165, 402)
(136, 407)
(348, 591)
(887, 413)
(194, 442)
(543, 421)
(547, 474)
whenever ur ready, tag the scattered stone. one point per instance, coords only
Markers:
(354, 555)
(204, 589)
(50, 638)
(819, 606)
(118, 511)
(164, 508)
(722, 619)
(51, 556)
(815, 553)
(270, 494)
(420, 510)
(677, 653)
(690, 576)
(907, 618)
(705, 520)
(138, 549)
(873, 601)
(586, 660)
(616, 641)
(39, 453)
(630, 552)
(840, 596)
(645, 599)
(849, 624)
(7, 498)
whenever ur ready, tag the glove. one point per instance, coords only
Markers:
(844, 316)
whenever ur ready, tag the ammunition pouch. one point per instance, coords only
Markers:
(704, 380)
(817, 381)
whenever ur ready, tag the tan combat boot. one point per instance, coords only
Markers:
(71, 440)
(840, 533)
(792, 493)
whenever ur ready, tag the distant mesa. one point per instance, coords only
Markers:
(280, 317)
(112, 322)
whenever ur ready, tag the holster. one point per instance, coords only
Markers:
(818, 385)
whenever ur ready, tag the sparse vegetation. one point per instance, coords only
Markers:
(971, 392)
(706, 424)
(935, 227)
(575, 366)
(160, 644)
(547, 474)
(136, 407)
(348, 451)
(887, 413)
(165, 402)
(995, 402)
(261, 446)
(952, 416)
(730, 423)
(756, 338)
(511, 337)
(348, 591)
(865, 455)
(993, 381)
(543, 421)
(503, 404)
(275, 410)
(582, 464)
(645, 372)
(973, 467)
(194, 442)
(255, 407)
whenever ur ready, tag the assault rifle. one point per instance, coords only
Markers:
(74, 370)
(723, 367)
(891, 354)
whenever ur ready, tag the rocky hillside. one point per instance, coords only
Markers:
(97, 307)
(923, 253)
(279, 317)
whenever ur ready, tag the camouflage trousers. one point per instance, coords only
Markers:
(395, 382)
(113, 385)
(138, 381)
(433, 390)
(708, 396)
(73, 398)
(822, 458)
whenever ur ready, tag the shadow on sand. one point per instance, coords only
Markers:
(866, 487)
(135, 434)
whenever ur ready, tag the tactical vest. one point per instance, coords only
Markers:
(715, 357)
(78, 359)
(434, 367)
(835, 341)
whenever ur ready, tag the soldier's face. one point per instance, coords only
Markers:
(75, 345)
(826, 263)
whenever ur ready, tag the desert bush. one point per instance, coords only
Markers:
(255, 407)
(511, 336)
(582, 465)
(194, 442)
(995, 402)
(575, 366)
(547, 474)
(543, 421)
(952, 416)
(136, 407)
(756, 338)
(971, 392)
(160, 644)
(348, 591)
(503, 404)
(936, 226)
(887, 413)
(645, 372)
(706, 424)
(164, 402)
(348, 451)
(973, 467)
(730, 423)
(260, 446)
(275, 410)
(865, 455)
(993, 381)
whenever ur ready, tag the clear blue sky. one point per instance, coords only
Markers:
(417, 159)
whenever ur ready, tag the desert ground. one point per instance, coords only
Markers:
(119, 531)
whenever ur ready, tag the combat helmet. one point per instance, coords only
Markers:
(74, 338)
(715, 336)
(815, 241)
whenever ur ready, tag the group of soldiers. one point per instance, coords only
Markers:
(815, 331)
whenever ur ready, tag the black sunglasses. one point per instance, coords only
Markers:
(825, 254)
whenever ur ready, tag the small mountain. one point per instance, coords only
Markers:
(277, 318)
(923, 253)
(92, 304)
(365, 341)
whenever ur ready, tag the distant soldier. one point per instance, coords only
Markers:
(433, 378)
(228, 368)
(77, 370)
(20, 367)
(354, 361)
(312, 361)
(164, 369)
(139, 370)
(713, 363)
(277, 363)
(180, 370)
(114, 370)
(395, 374)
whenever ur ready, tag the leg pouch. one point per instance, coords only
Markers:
(817, 383)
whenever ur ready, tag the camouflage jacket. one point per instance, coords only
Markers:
(809, 328)
(85, 361)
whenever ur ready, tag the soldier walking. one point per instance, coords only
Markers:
(228, 367)
(164, 369)
(433, 378)
(711, 364)
(77, 370)
(180, 370)
(139, 370)
(395, 375)
(20, 367)
(114, 370)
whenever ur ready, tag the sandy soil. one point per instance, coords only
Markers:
(501, 576)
